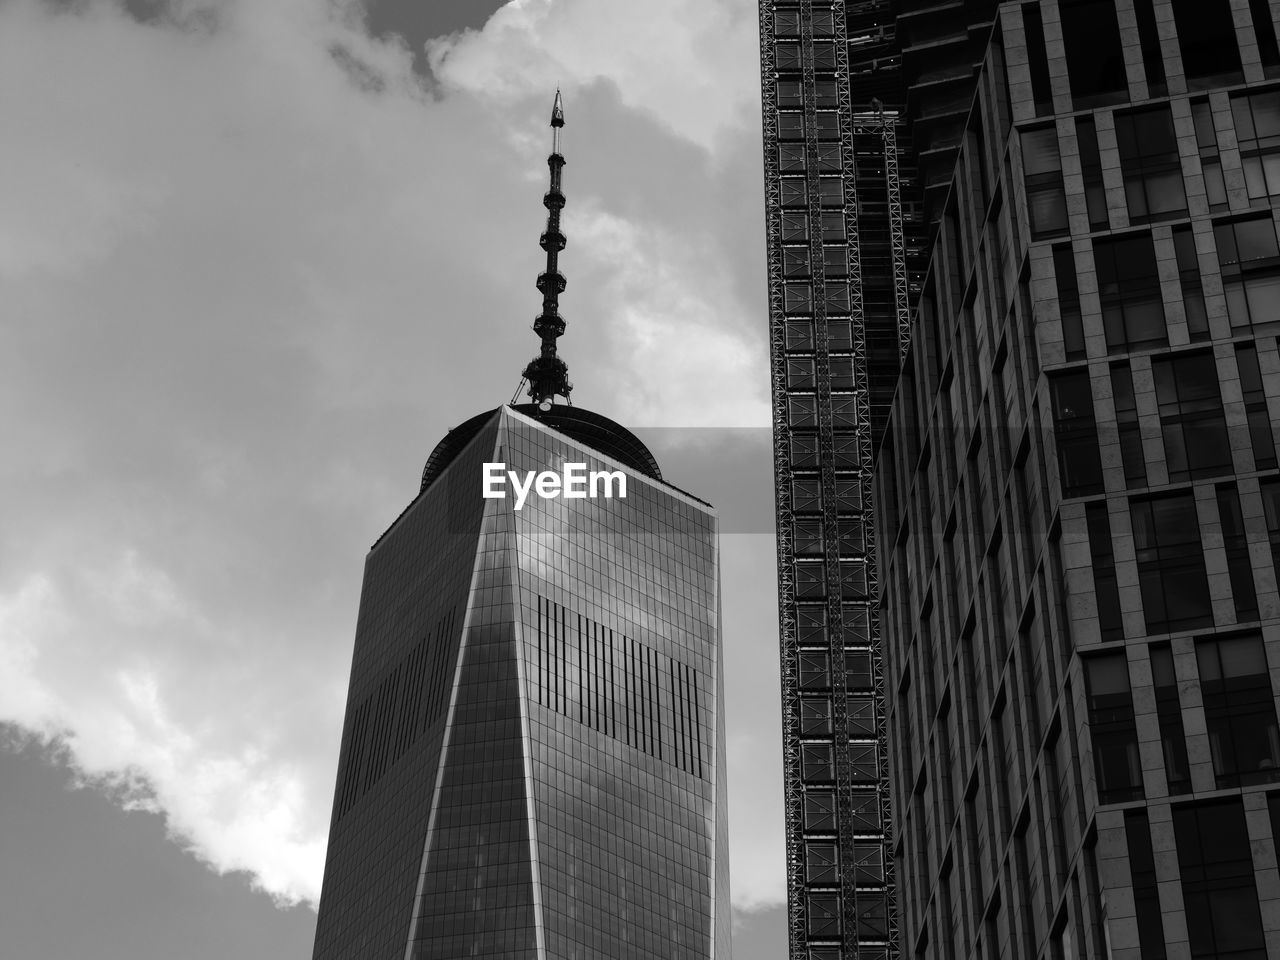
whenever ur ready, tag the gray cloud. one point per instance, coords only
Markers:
(253, 271)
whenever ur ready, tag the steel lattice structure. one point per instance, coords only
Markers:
(838, 320)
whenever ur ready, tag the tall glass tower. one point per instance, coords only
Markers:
(532, 761)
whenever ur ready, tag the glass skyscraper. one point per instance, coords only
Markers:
(532, 763)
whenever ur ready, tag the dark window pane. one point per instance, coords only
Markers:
(1129, 288)
(1079, 463)
(1111, 726)
(1239, 710)
(1171, 573)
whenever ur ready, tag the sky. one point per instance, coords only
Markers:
(256, 259)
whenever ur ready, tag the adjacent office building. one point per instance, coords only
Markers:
(532, 763)
(1078, 504)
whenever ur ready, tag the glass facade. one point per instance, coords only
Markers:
(568, 799)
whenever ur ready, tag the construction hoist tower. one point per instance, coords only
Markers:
(840, 243)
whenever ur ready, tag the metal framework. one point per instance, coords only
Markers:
(807, 41)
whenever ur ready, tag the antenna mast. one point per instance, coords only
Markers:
(547, 374)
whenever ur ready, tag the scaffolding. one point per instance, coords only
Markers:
(836, 263)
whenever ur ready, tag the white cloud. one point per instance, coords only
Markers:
(247, 261)
(690, 66)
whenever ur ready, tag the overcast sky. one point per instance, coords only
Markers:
(256, 258)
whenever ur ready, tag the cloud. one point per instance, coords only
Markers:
(248, 261)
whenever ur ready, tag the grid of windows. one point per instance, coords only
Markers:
(1106, 370)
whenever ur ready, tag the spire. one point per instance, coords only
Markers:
(547, 374)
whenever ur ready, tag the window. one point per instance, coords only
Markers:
(1041, 88)
(808, 537)
(830, 191)
(1207, 39)
(797, 298)
(1149, 161)
(1173, 739)
(815, 762)
(1102, 555)
(826, 125)
(1255, 404)
(1191, 417)
(1257, 119)
(790, 126)
(1046, 198)
(1265, 31)
(862, 762)
(819, 811)
(788, 56)
(1218, 890)
(1236, 544)
(868, 864)
(866, 812)
(1130, 436)
(799, 334)
(795, 261)
(1095, 58)
(1210, 163)
(1250, 261)
(842, 377)
(821, 864)
(835, 261)
(1171, 574)
(1079, 465)
(1095, 194)
(832, 226)
(1184, 248)
(1239, 710)
(1129, 288)
(792, 192)
(1064, 269)
(1270, 488)
(802, 411)
(824, 915)
(1149, 38)
(861, 718)
(786, 23)
(815, 669)
(1146, 896)
(1111, 727)
(811, 581)
(795, 226)
(857, 670)
(791, 157)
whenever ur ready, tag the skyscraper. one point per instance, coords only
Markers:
(1078, 499)
(857, 97)
(532, 761)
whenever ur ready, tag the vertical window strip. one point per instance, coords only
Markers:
(1038, 59)
(1064, 268)
(1255, 406)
